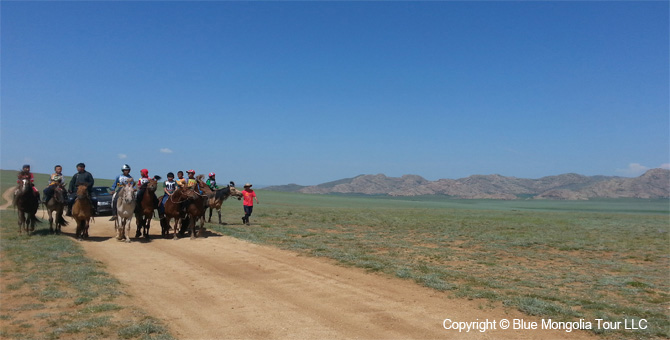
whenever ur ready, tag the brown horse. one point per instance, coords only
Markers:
(175, 209)
(195, 211)
(82, 210)
(216, 197)
(144, 211)
(27, 203)
(56, 204)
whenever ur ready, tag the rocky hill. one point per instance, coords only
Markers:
(654, 183)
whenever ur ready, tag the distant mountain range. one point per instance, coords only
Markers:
(655, 183)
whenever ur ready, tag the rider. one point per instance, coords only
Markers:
(27, 175)
(82, 177)
(120, 181)
(191, 181)
(211, 182)
(169, 188)
(181, 181)
(55, 180)
(142, 186)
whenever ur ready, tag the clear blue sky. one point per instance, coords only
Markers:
(310, 92)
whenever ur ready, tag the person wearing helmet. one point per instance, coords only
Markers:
(120, 181)
(25, 174)
(211, 182)
(142, 185)
(190, 181)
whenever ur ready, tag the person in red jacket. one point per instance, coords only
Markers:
(249, 195)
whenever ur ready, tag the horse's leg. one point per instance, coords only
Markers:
(218, 210)
(30, 224)
(118, 225)
(80, 225)
(22, 219)
(139, 221)
(51, 221)
(191, 226)
(86, 225)
(126, 232)
(147, 226)
(210, 215)
(176, 227)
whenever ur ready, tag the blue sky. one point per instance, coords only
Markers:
(310, 92)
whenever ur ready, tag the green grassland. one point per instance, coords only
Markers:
(52, 291)
(568, 260)
(565, 260)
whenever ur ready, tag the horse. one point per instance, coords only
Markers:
(195, 210)
(125, 208)
(56, 204)
(26, 203)
(216, 197)
(175, 209)
(82, 210)
(144, 211)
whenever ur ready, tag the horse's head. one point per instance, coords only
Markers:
(127, 193)
(203, 186)
(82, 191)
(234, 192)
(152, 185)
(59, 194)
(23, 185)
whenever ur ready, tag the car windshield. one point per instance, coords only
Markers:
(101, 191)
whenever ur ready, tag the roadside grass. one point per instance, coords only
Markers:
(50, 290)
(567, 262)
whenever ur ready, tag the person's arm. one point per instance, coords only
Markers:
(73, 182)
(116, 181)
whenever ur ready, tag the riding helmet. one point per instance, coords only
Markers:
(125, 167)
(211, 174)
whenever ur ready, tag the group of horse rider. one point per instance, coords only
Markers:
(83, 177)
(169, 186)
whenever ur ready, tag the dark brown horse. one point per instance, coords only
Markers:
(82, 211)
(26, 203)
(216, 197)
(176, 208)
(144, 211)
(56, 204)
(195, 211)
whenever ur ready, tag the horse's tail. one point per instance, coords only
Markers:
(62, 221)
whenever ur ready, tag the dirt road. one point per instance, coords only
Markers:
(223, 288)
